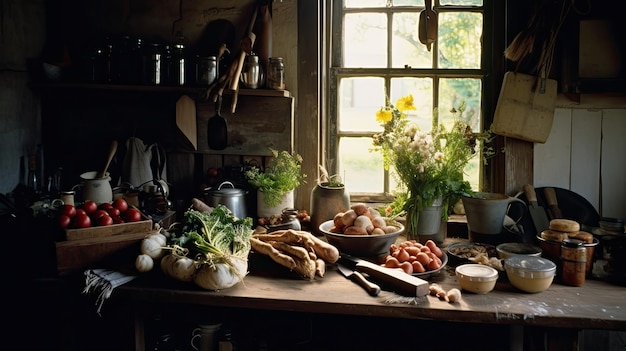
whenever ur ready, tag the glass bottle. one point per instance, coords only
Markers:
(573, 262)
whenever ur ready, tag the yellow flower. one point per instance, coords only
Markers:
(405, 103)
(383, 116)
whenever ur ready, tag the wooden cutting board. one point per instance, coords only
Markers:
(523, 112)
(186, 122)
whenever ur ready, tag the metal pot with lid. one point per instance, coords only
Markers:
(231, 197)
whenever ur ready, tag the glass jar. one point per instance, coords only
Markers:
(206, 70)
(177, 65)
(573, 262)
(252, 75)
(276, 74)
(152, 64)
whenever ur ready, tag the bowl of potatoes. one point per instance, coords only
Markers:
(361, 231)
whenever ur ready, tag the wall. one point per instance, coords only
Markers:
(22, 36)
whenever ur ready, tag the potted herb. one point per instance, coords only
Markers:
(276, 183)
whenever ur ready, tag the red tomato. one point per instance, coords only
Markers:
(212, 172)
(64, 221)
(120, 204)
(90, 207)
(104, 220)
(81, 221)
(117, 220)
(100, 213)
(68, 210)
(105, 206)
(80, 211)
(132, 215)
(113, 211)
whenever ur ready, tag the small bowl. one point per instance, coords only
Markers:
(529, 273)
(507, 250)
(476, 278)
(370, 246)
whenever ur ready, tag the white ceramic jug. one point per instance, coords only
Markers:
(95, 188)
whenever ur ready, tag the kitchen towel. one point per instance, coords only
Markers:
(99, 283)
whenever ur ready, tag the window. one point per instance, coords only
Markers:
(375, 53)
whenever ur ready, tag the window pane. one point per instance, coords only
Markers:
(406, 47)
(361, 170)
(359, 99)
(365, 40)
(364, 3)
(459, 38)
(462, 2)
(455, 92)
(408, 3)
(422, 90)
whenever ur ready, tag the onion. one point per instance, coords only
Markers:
(220, 276)
(144, 263)
(151, 248)
(184, 269)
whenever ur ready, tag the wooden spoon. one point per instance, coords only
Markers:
(112, 151)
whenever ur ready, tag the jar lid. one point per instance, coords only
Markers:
(530, 266)
(572, 243)
(477, 272)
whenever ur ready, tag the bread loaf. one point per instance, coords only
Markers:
(553, 235)
(564, 225)
(585, 237)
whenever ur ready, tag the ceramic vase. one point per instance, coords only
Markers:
(265, 211)
(326, 202)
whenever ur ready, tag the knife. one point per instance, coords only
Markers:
(553, 205)
(397, 280)
(537, 213)
(371, 288)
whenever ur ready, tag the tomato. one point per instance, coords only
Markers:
(105, 206)
(68, 210)
(212, 172)
(132, 215)
(81, 221)
(80, 211)
(90, 207)
(120, 204)
(117, 220)
(64, 221)
(104, 220)
(113, 211)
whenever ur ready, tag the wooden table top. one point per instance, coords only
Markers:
(595, 305)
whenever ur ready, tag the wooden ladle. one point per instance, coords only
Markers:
(112, 151)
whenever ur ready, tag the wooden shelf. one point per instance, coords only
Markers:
(157, 89)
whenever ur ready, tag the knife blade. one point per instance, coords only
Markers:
(371, 288)
(397, 280)
(553, 205)
(537, 213)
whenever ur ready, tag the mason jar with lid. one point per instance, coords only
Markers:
(206, 70)
(276, 74)
(152, 64)
(573, 262)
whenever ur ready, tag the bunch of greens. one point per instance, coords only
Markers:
(283, 175)
(215, 236)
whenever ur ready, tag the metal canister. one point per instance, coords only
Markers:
(276, 74)
(206, 70)
(573, 262)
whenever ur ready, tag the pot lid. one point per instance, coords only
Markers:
(220, 190)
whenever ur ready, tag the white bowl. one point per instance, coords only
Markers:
(476, 278)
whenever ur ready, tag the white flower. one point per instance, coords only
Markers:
(439, 156)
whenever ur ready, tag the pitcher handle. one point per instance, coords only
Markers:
(514, 201)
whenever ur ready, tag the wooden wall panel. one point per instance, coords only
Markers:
(585, 157)
(613, 163)
(552, 159)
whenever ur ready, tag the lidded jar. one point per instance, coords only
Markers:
(276, 74)
(252, 75)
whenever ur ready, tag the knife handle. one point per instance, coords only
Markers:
(530, 193)
(370, 287)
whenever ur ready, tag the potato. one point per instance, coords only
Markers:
(379, 222)
(390, 229)
(365, 222)
(377, 231)
(348, 218)
(354, 230)
(337, 220)
(360, 209)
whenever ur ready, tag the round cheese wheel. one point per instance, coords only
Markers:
(564, 225)
(553, 235)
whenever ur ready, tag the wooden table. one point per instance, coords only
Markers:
(561, 310)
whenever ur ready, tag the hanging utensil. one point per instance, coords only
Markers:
(217, 128)
(112, 151)
(427, 26)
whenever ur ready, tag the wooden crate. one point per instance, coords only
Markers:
(104, 252)
(109, 230)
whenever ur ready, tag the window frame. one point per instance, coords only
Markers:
(334, 49)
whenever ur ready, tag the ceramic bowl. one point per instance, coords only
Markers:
(530, 274)
(507, 250)
(371, 246)
(476, 278)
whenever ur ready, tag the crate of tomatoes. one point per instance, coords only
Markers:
(96, 233)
